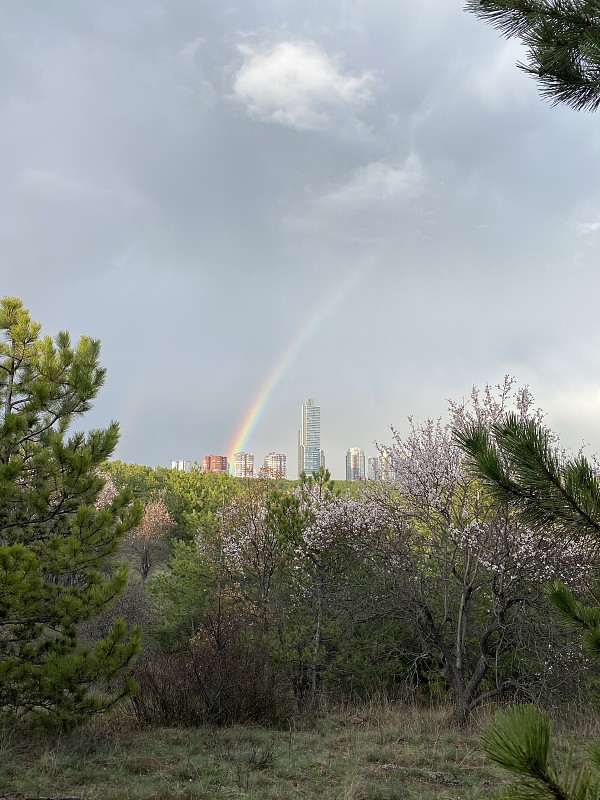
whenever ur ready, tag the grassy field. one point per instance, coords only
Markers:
(377, 753)
(355, 754)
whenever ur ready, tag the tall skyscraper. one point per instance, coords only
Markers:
(243, 465)
(310, 456)
(355, 464)
(274, 466)
(214, 463)
(181, 465)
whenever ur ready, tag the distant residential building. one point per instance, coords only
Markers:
(274, 466)
(181, 466)
(310, 456)
(243, 465)
(372, 469)
(214, 463)
(387, 466)
(355, 464)
(384, 467)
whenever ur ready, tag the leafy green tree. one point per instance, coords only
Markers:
(56, 537)
(563, 42)
(193, 499)
(143, 482)
(520, 464)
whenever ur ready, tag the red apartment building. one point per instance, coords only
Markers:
(214, 463)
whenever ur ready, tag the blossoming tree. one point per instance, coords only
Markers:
(462, 565)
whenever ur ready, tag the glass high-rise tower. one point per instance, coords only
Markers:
(310, 455)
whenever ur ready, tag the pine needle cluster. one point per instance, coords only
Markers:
(562, 38)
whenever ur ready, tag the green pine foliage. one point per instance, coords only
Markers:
(584, 618)
(521, 465)
(520, 741)
(563, 44)
(182, 592)
(55, 542)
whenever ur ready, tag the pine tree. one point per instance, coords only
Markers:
(56, 538)
(563, 42)
(520, 464)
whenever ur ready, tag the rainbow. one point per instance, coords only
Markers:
(257, 407)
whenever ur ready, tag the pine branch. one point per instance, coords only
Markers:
(580, 616)
(519, 741)
(520, 466)
(563, 42)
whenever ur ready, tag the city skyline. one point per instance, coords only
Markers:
(310, 455)
(274, 465)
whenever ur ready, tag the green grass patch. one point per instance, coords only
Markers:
(374, 753)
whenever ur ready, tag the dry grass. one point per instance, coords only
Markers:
(380, 752)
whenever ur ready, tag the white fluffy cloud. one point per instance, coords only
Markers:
(379, 201)
(585, 228)
(298, 85)
(377, 183)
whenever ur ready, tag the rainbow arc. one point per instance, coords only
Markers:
(326, 308)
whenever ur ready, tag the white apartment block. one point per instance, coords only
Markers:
(243, 465)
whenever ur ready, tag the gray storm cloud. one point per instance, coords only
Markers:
(188, 182)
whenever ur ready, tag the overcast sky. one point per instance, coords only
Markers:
(361, 201)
